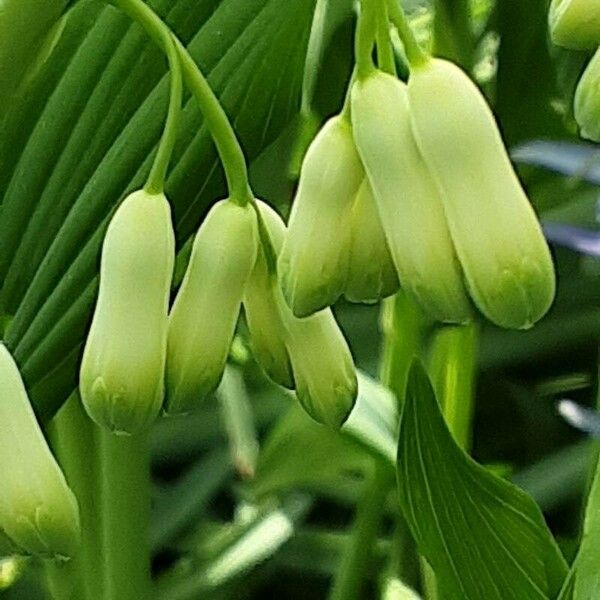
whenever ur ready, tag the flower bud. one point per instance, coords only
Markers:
(323, 370)
(203, 318)
(38, 511)
(371, 274)
(122, 371)
(587, 100)
(313, 265)
(262, 308)
(575, 24)
(499, 242)
(407, 198)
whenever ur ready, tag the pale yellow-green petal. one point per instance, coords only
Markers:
(38, 512)
(407, 198)
(371, 274)
(313, 264)
(498, 239)
(263, 316)
(122, 371)
(205, 312)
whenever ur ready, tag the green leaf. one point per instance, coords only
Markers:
(299, 452)
(235, 550)
(484, 537)
(583, 582)
(23, 27)
(82, 133)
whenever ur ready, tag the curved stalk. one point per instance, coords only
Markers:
(228, 146)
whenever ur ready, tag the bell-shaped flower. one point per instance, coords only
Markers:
(407, 198)
(324, 372)
(575, 24)
(313, 264)
(122, 371)
(322, 366)
(38, 512)
(262, 308)
(587, 100)
(371, 273)
(499, 242)
(205, 312)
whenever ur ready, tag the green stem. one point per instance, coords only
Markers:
(356, 560)
(385, 50)
(156, 179)
(74, 439)
(125, 508)
(453, 368)
(414, 53)
(110, 478)
(364, 39)
(228, 146)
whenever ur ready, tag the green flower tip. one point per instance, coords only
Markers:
(499, 242)
(313, 264)
(326, 382)
(205, 312)
(39, 515)
(122, 371)
(587, 100)
(575, 24)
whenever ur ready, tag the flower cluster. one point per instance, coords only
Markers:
(575, 24)
(425, 166)
(141, 357)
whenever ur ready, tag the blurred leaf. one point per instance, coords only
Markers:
(23, 27)
(374, 420)
(99, 103)
(243, 547)
(524, 110)
(578, 160)
(299, 452)
(239, 421)
(482, 535)
(184, 500)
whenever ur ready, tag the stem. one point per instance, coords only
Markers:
(156, 179)
(74, 439)
(385, 51)
(228, 146)
(110, 478)
(414, 53)
(356, 560)
(364, 39)
(125, 507)
(453, 369)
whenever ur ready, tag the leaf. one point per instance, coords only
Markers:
(236, 551)
(300, 453)
(82, 133)
(484, 537)
(583, 582)
(567, 158)
(23, 26)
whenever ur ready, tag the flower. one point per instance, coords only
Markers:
(122, 372)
